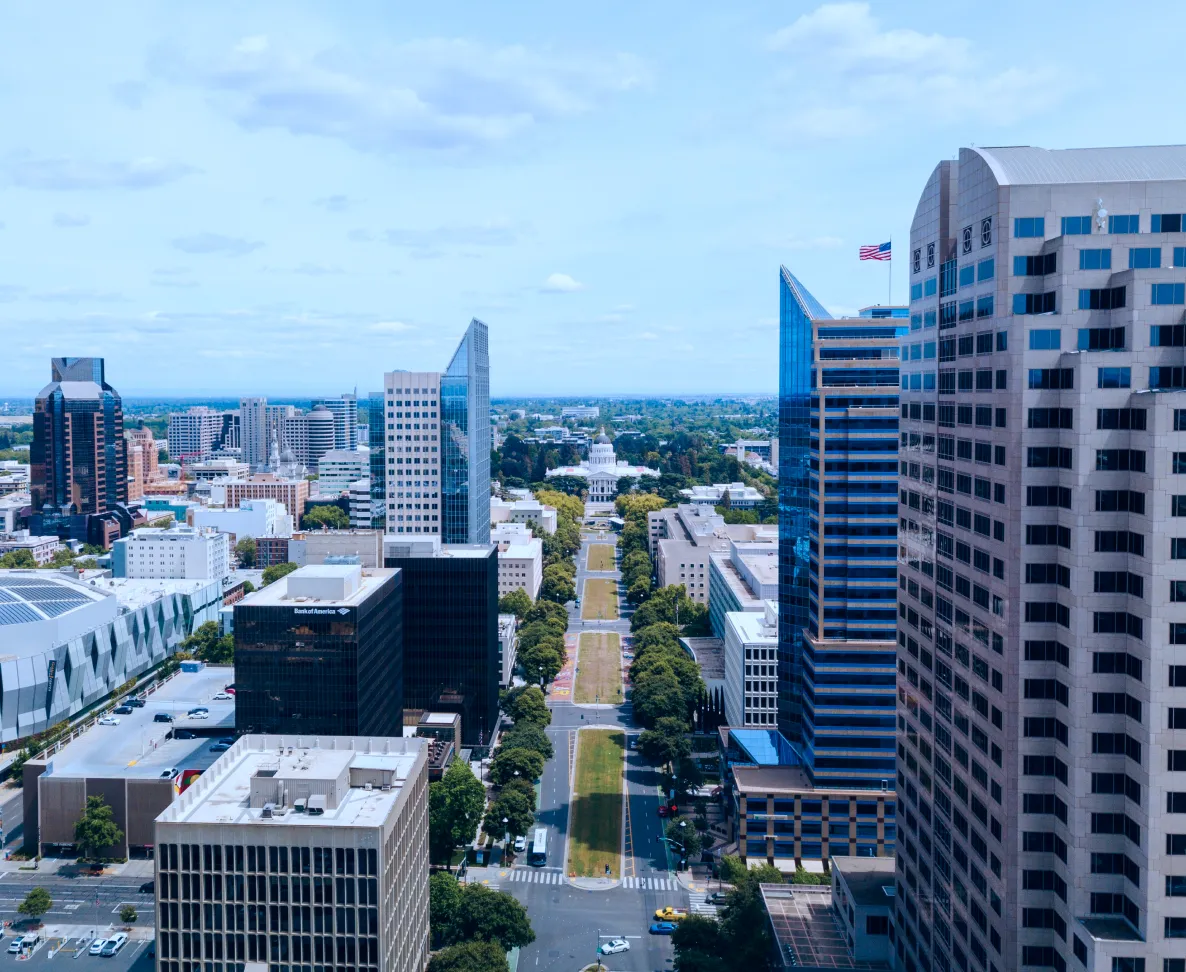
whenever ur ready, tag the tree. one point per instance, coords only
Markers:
(206, 644)
(518, 602)
(529, 735)
(17, 560)
(657, 695)
(245, 551)
(276, 571)
(127, 914)
(557, 585)
(667, 742)
(636, 506)
(550, 612)
(687, 835)
(745, 928)
(563, 503)
(804, 876)
(515, 803)
(699, 945)
(37, 902)
(541, 662)
(529, 706)
(444, 898)
(491, 916)
(16, 773)
(470, 957)
(455, 804)
(638, 591)
(96, 829)
(325, 516)
(506, 762)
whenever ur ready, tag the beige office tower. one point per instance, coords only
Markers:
(295, 852)
(413, 451)
(1042, 574)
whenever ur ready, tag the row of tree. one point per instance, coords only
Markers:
(560, 547)
(518, 761)
(473, 926)
(24, 560)
(740, 937)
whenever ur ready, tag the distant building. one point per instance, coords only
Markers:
(199, 432)
(508, 647)
(293, 493)
(751, 667)
(310, 435)
(313, 547)
(13, 509)
(14, 477)
(602, 470)
(251, 518)
(863, 895)
(339, 468)
(361, 507)
(520, 559)
(741, 579)
(581, 412)
(528, 511)
(175, 553)
(321, 650)
(209, 470)
(305, 805)
(737, 496)
(42, 549)
(261, 424)
(345, 412)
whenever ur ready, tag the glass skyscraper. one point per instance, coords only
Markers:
(465, 440)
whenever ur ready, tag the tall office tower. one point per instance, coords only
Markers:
(465, 440)
(321, 651)
(253, 432)
(376, 439)
(200, 432)
(310, 435)
(341, 821)
(451, 647)
(345, 412)
(1038, 629)
(438, 463)
(78, 459)
(842, 639)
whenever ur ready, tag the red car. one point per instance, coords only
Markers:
(663, 811)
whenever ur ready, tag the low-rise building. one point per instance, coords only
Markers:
(14, 477)
(362, 507)
(863, 891)
(681, 562)
(209, 470)
(741, 579)
(347, 816)
(253, 518)
(508, 646)
(339, 468)
(520, 559)
(807, 938)
(527, 511)
(311, 547)
(293, 493)
(736, 496)
(751, 667)
(13, 509)
(175, 553)
(42, 549)
(581, 412)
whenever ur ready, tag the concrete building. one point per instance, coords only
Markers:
(347, 815)
(175, 553)
(863, 892)
(741, 579)
(314, 547)
(508, 647)
(602, 470)
(686, 563)
(42, 549)
(70, 640)
(528, 511)
(1039, 610)
(751, 667)
(520, 559)
(580, 412)
(13, 509)
(341, 467)
(361, 505)
(345, 412)
(199, 432)
(253, 518)
(437, 446)
(261, 424)
(14, 477)
(807, 935)
(321, 649)
(143, 453)
(209, 470)
(736, 496)
(309, 435)
(292, 493)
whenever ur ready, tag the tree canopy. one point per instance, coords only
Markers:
(490, 916)
(470, 957)
(208, 645)
(245, 551)
(276, 571)
(516, 803)
(36, 903)
(518, 602)
(455, 804)
(96, 830)
(325, 515)
(506, 762)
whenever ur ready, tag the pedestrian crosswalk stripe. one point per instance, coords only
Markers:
(534, 877)
(649, 884)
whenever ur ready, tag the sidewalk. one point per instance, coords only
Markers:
(65, 867)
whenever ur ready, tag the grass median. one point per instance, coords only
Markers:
(601, 556)
(600, 600)
(599, 668)
(595, 834)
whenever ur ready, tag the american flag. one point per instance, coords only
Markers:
(876, 252)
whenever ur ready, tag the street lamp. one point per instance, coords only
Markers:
(506, 835)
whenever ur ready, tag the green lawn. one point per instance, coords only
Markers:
(600, 600)
(599, 668)
(595, 835)
(601, 556)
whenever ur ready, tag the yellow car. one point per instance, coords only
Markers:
(670, 914)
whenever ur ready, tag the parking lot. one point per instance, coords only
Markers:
(52, 952)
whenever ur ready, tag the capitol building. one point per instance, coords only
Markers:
(602, 470)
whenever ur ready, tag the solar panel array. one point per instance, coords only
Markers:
(25, 599)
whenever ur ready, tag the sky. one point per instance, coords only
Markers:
(292, 198)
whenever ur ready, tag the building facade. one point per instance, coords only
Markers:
(321, 649)
(253, 518)
(293, 494)
(176, 553)
(520, 559)
(309, 435)
(340, 823)
(339, 468)
(602, 470)
(1037, 620)
(751, 667)
(345, 412)
(200, 432)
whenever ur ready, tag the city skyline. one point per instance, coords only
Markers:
(348, 186)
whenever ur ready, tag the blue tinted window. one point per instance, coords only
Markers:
(984, 306)
(916, 381)
(1076, 225)
(928, 319)
(967, 310)
(1166, 223)
(1045, 340)
(1113, 377)
(916, 291)
(1180, 256)
(930, 286)
(1144, 257)
(967, 276)
(915, 322)
(929, 349)
(1019, 266)
(1124, 224)
(928, 381)
(1025, 227)
(985, 269)
(915, 352)
(1095, 259)
(1169, 293)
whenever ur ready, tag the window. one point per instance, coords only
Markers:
(1177, 548)
(916, 291)
(1076, 225)
(1046, 339)
(1063, 378)
(916, 262)
(1119, 501)
(984, 306)
(930, 257)
(1124, 224)
(1048, 535)
(1180, 256)
(1101, 339)
(930, 286)
(1167, 335)
(1144, 257)
(1033, 303)
(1119, 541)
(1049, 418)
(1113, 377)
(1059, 496)
(1119, 460)
(1035, 266)
(1028, 227)
(1169, 293)
(1179, 463)
(1048, 457)
(947, 278)
(1166, 223)
(986, 269)
(967, 311)
(1171, 378)
(1120, 418)
(1103, 298)
(1095, 259)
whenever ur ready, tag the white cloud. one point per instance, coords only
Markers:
(71, 220)
(648, 336)
(70, 174)
(561, 283)
(390, 327)
(846, 75)
(429, 94)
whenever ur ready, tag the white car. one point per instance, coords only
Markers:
(96, 946)
(614, 947)
(199, 715)
(520, 844)
(224, 697)
(109, 721)
(114, 944)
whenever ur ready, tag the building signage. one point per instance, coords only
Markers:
(321, 610)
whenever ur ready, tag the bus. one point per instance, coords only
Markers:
(537, 855)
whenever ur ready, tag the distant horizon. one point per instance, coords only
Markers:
(289, 398)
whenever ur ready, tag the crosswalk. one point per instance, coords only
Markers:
(650, 883)
(699, 906)
(531, 876)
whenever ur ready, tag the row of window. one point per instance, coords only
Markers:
(1030, 227)
(1139, 258)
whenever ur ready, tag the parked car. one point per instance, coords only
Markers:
(15, 947)
(109, 721)
(614, 947)
(168, 774)
(123, 710)
(184, 734)
(224, 697)
(203, 714)
(670, 914)
(662, 927)
(162, 717)
(220, 747)
(229, 740)
(97, 946)
(229, 688)
(114, 944)
(520, 844)
(198, 708)
(133, 702)
(148, 887)
(717, 898)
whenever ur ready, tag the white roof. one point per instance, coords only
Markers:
(1030, 165)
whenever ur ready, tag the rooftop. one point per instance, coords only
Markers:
(807, 936)
(752, 627)
(867, 879)
(38, 595)
(321, 584)
(264, 779)
(1031, 165)
(709, 654)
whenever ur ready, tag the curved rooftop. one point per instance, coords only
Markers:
(40, 596)
(1029, 165)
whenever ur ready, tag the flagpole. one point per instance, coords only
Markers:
(890, 282)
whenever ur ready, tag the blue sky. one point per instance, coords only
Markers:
(291, 198)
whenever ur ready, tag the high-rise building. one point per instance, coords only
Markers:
(451, 647)
(342, 821)
(201, 432)
(438, 463)
(321, 650)
(376, 439)
(309, 435)
(345, 412)
(78, 461)
(254, 439)
(1038, 625)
